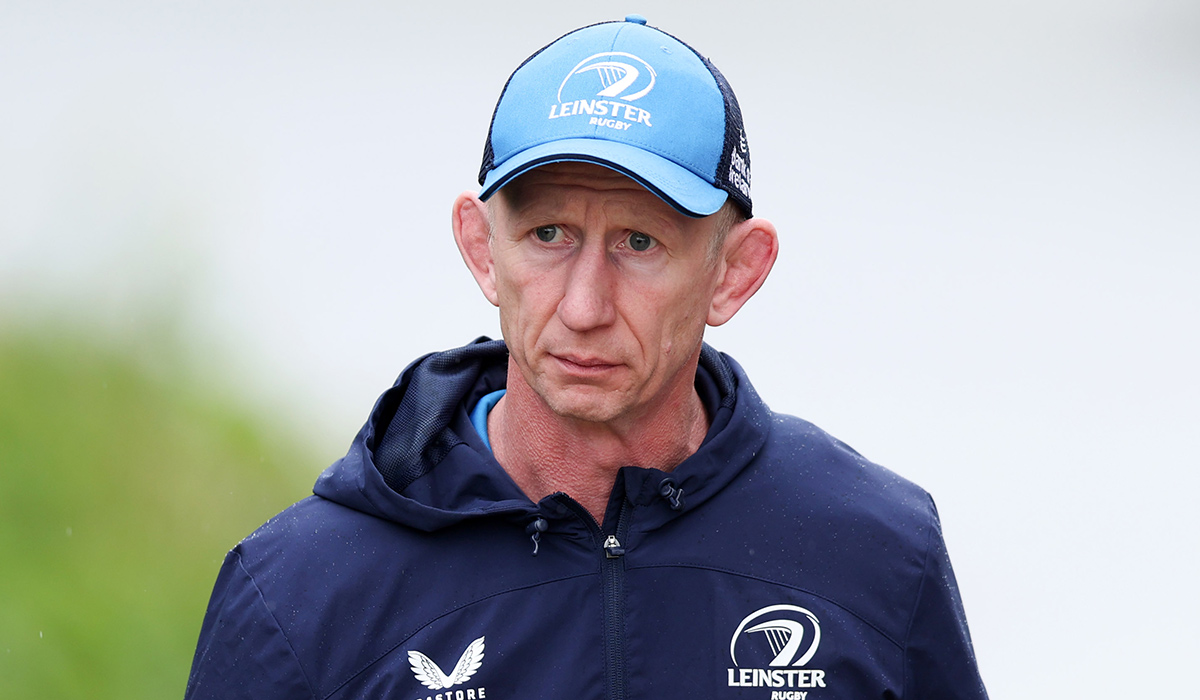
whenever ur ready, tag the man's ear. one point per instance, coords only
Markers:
(472, 233)
(745, 261)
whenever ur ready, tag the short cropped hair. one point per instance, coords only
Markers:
(728, 216)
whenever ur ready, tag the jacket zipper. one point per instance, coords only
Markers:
(613, 566)
(612, 575)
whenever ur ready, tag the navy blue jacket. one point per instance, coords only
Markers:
(773, 564)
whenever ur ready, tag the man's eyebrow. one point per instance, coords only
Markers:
(516, 205)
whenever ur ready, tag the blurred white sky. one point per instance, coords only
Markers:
(988, 279)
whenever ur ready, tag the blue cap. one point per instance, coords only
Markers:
(629, 97)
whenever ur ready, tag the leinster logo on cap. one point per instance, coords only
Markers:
(601, 88)
(613, 74)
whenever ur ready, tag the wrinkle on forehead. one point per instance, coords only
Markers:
(552, 186)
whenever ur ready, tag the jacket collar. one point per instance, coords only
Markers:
(418, 461)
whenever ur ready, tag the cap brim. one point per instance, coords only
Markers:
(688, 193)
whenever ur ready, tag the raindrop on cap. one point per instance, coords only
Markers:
(636, 19)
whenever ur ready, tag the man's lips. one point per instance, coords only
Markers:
(585, 364)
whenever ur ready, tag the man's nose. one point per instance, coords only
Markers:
(587, 301)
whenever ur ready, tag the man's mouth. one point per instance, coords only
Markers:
(584, 363)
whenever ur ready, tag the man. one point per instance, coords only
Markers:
(600, 506)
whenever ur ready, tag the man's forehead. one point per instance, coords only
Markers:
(572, 188)
(573, 174)
(552, 183)
(558, 188)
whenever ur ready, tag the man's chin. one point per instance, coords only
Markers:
(590, 404)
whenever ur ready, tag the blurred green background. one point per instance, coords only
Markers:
(125, 476)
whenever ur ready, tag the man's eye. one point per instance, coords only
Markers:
(640, 242)
(549, 234)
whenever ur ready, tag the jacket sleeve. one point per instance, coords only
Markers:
(939, 659)
(242, 652)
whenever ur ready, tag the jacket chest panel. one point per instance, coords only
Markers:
(686, 633)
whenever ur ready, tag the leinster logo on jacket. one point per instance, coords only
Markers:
(772, 648)
(431, 675)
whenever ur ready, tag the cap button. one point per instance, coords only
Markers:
(636, 19)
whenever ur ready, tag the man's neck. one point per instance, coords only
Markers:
(546, 453)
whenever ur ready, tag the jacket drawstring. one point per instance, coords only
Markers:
(535, 530)
(669, 491)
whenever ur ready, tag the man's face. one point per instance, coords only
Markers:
(603, 290)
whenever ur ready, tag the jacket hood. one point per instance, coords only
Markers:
(418, 460)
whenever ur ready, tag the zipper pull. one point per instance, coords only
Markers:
(612, 547)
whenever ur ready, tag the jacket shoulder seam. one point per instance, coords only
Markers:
(263, 599)
(794, 587)
(912, 616)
